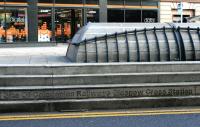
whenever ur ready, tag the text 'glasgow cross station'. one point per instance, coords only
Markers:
(142, 58)
(58, 20)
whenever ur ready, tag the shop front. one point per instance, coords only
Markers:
(13, 24)
(59, 20)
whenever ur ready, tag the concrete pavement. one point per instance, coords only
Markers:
(34, 55)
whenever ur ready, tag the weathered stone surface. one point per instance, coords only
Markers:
(109, 91)
(101, 79)
(99, 86)
(99, 68)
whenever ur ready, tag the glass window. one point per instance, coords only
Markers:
(18, 1)
(44, 25)
(149, 16)
(92, 15)
(150, 2)
(133, 2)
(16, 24)
(45, 1)
(68, 21)
(115, 2)
(69, 1)
(177, 18)
(115, 15)
(1, 1)
(92, 2)
(133, 16)
(2, 25)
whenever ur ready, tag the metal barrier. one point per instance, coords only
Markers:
(140, 45)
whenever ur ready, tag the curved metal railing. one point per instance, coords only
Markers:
(177, 36)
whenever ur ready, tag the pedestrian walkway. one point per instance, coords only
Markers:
(34, 55)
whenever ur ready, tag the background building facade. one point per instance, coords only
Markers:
(58, 20)
(169, 13)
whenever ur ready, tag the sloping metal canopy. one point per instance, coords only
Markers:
(135, 42)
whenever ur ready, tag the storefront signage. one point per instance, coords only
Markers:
(149, 20)
(45, 11)
(19, 19)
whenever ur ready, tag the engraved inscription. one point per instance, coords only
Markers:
(96, 93)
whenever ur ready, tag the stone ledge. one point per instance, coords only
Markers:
(95, 79)
(101, 104)
(99, 92)
(27, 44)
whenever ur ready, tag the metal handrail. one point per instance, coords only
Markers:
(177, 33)
(138, 31)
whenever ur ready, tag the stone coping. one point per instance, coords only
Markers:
(104, 64)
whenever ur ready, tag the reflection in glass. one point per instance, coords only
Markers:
(45, 1)
(68, 21)
(44, 25)
(18, 1)
(149, 16)
(2, 25)
(92, 15)
(92, 2)
(115, 2)
(133, 16)
(69, 1)
(150, 2)
(115, 15)
(16, 28)
(133, 2)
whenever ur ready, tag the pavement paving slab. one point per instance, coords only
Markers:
(34, 55)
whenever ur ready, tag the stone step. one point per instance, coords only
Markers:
(104, 96)
(93, 68)
(95, 79)
(97, 104)
(106, 91)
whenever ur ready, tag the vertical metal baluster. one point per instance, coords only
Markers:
(198, 30)
(127, 47)
(177, 43)
(96, 50)
(182, 46)
(117, 47)
(157, 43)
(137, 45)
(147, 41)
(86, 60)
(192, 43)
(106, 41)
(167, 43)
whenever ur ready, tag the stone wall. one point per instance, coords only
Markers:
(168, 9)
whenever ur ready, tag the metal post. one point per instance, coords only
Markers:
(85, 43)
(181, 11)
(97, 59)
(117, 47)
